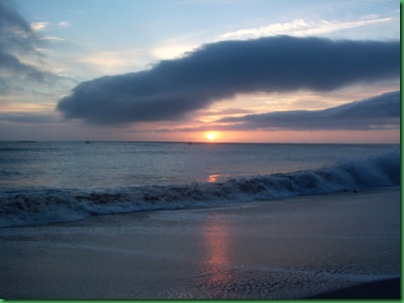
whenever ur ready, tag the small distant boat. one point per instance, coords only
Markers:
(87, 142)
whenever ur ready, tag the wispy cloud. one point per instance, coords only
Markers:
(64, 24)
(39, 26)
(219, 71)
(117, 61)
(299, 28)
(45, 25)
(227, 111)
(53, 38)
(28, 118)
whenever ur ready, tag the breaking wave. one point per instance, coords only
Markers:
(48, 205)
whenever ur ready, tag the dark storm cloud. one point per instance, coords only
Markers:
(221, 70)
(17, 42)
(377, 113)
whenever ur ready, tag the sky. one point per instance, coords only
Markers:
(281, 71)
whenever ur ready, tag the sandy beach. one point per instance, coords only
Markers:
(292, 248)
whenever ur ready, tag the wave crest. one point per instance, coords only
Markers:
(46, 205)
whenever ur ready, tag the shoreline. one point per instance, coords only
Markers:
(302, 247)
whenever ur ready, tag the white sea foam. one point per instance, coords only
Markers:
(46, 205)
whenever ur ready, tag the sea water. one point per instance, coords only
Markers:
(45, 182)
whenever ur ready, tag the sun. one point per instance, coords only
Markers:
(211, 136)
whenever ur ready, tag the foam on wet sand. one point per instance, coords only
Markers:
(291, 248)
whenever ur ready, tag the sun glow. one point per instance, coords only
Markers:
(211, 136)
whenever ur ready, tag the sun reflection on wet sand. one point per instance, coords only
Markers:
(217, 243)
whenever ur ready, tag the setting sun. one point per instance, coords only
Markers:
(211, 136)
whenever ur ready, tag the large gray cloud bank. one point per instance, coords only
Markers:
(221, 70)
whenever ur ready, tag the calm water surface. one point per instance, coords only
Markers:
(114, 164)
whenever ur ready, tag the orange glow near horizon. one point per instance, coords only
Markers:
(213, 178)
(294, 136)
(211, 136)
(256, 136)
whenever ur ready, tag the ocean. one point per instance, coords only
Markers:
(47, 182)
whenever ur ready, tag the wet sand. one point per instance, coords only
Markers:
(385, 289)
(293, 248)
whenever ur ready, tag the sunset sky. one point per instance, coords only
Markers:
(177, 70)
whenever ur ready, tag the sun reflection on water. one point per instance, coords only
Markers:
(213, 178)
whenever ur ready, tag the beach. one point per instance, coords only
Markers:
(298, 247)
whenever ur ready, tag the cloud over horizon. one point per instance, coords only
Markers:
(377, 113)
(380, 112)
(219, 71)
